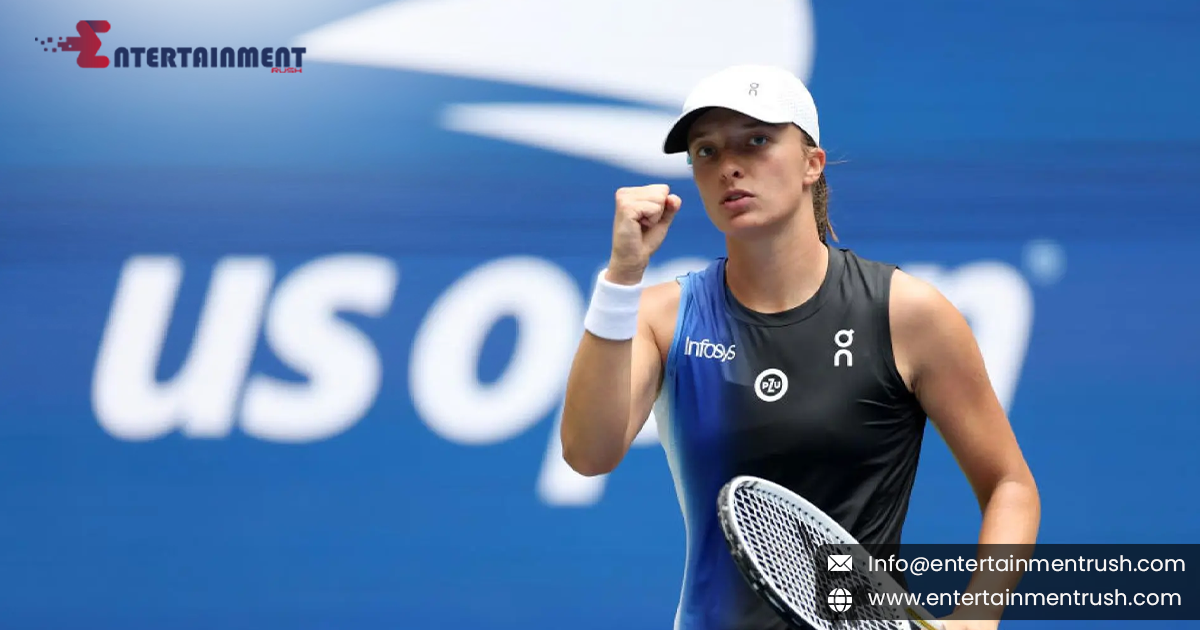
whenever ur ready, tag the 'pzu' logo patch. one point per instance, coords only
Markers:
(771, 384)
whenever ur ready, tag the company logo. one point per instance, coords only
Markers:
(844, 339)
(705, 349)
(771, 384)
(278, 59)
(508, 41)
(87, 44)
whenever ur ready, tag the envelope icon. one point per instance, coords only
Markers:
(839, 562)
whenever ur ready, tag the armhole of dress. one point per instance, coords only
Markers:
(681, 310)
(884, 311)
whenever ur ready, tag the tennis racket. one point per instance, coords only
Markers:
(782, 545)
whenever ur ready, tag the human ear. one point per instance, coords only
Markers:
(814, 165)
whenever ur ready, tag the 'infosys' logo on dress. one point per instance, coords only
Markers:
(705, 349)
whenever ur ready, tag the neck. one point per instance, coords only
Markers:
(775, 272)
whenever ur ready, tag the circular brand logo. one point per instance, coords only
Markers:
(771, 384)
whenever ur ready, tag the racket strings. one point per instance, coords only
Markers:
(774, 537)
(785, 543)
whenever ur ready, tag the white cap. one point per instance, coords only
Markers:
(767, 93)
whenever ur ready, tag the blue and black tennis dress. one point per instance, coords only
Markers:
(809, 398)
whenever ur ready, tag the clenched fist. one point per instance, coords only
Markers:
(642, 218)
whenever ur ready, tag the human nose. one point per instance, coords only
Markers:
(731, 168)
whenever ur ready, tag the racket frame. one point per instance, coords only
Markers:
(761, 583)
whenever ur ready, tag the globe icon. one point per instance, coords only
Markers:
(839, 600)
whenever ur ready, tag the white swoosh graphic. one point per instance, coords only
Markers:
(628, 138)
(646, 52)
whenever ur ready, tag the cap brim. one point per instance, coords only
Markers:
(677, 137)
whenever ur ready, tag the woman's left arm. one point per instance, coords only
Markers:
(937, 353)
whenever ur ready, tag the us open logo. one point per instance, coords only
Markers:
(279, 59)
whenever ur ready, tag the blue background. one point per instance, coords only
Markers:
(964, 131)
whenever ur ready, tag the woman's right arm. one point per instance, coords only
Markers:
(613, 384)
(615, 376)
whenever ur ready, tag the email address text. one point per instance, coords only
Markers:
(922, 565)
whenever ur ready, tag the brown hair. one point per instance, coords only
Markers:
(820, 194)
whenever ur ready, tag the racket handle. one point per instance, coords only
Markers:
(921, 619)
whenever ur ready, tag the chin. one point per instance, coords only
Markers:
(749, 223)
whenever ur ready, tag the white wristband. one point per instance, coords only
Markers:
(613, 311)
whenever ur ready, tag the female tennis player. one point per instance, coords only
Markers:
(786, 359)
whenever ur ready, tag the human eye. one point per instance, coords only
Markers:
(704, 151)
(759, 140)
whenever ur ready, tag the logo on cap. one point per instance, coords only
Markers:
(753, 89)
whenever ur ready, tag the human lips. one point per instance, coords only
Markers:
(736, 199)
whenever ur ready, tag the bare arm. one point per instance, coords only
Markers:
(946, 372)
(614, 379)
(612, 387)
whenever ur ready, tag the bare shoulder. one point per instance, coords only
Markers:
(916, 305)
(924, 325)
(659, 308)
